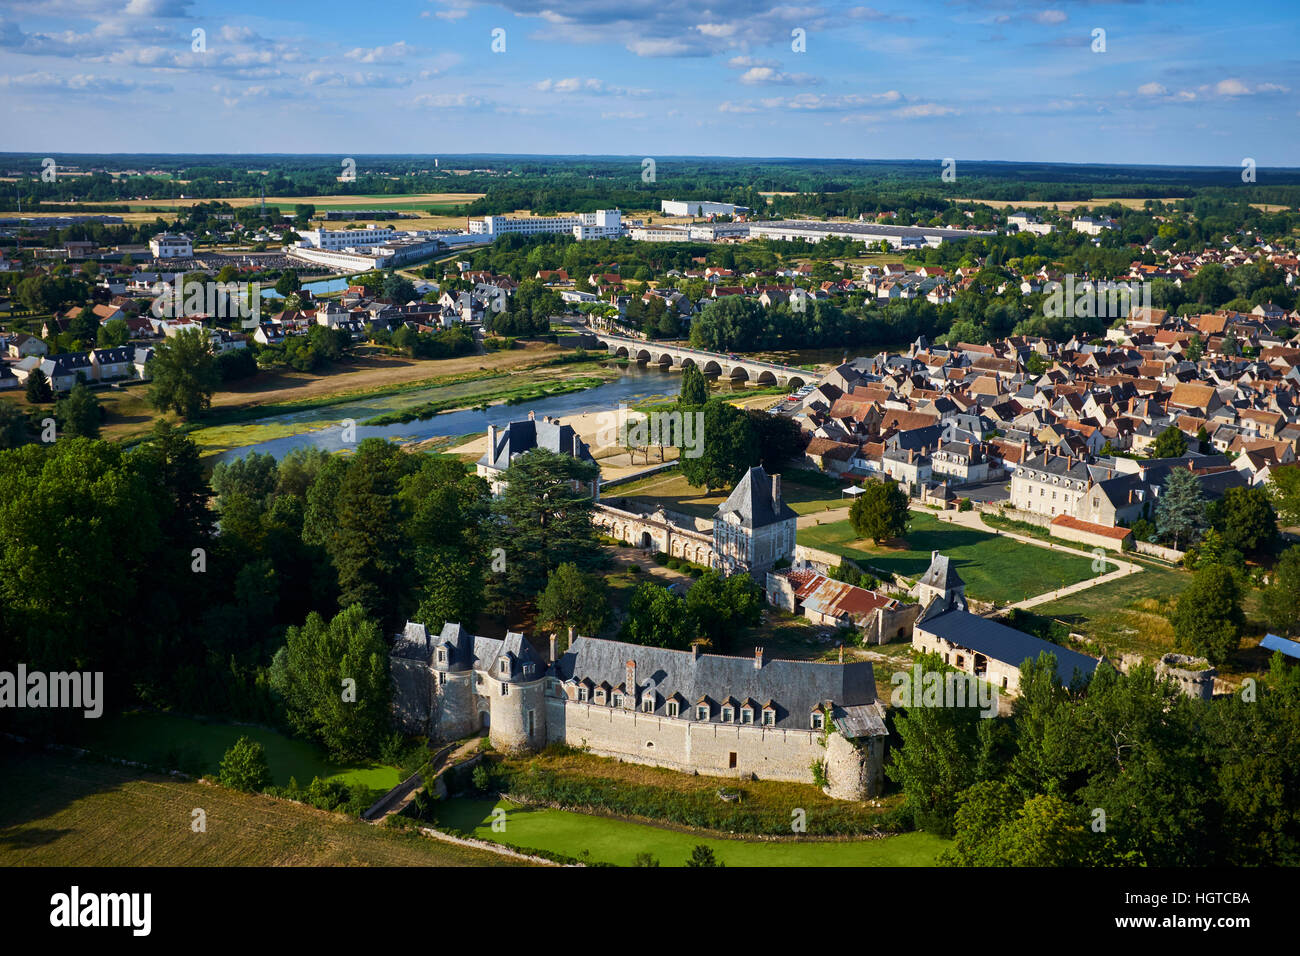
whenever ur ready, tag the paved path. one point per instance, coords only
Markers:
(400, 796)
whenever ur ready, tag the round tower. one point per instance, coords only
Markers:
(853, 767)
(518, 715)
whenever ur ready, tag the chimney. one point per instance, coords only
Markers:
(841, 653)
(532, 416)
(570, 644)
(554, 648)
(492, 440)
(629, 682)
(776, 491)
(758, 658)
(695, 652)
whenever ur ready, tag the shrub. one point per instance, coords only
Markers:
(244, 766)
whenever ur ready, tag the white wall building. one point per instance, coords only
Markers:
(1027, 222)
(171, 246)
(337, 239)
(699, 208)
(601, 224)
(1092, 227)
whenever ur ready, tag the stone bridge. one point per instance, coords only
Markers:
(735, 368)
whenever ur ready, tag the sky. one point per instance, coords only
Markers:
(1170, 82)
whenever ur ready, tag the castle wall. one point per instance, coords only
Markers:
(412, 695)
(686, 745)
(455, 713)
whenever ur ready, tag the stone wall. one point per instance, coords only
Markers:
(686, 745)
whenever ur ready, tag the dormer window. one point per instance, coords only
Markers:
(442, 655)
(617, 700)
(672, 708)
(582, 694)
(702, 712)
(769, 717)
(746, 715)
(600, 695)
(504, 666)
(648, 702)
(528, 670)
(728, 715)
(818, 720)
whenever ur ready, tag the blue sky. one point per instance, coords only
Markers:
(1180, 81)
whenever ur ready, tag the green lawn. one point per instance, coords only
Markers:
(672, 491)
(994, 568)
(194, 746)
(619, 841)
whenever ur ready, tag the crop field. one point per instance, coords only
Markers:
(61, 811)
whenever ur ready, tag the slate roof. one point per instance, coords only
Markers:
(523, 436)
(795, 688)
(941, 574)
(466, 651)
(751, 501)
(1005, 644)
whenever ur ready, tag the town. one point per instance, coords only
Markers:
(593, 438)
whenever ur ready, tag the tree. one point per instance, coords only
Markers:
(1208, 619)
(1284, 490)
(288, 283)
(657, 617)
(184, 374)
(1180, 512)
(448, 551)
(79, 413)
(727, 448)
(113, 333)
(543, 520)
(13, 425)
(722, 607)
(1281, 599)
(703, 856)
(334, 680)
(398, 289)
(695, 387)
(880, 512)
(938, 757)
(1246, 518)
(244, 767)
(39, 391)
(573, 600)
(780, 439)
(1171, 443)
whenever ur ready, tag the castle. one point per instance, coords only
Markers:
(686, 710)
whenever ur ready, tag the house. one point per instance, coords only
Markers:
(113, 362)
(22, 345)
(504, 445)
(822, 600)
(978, 645)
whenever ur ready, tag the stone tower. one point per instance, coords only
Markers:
(941, 582)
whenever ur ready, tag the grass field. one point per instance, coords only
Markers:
(60, 811)
(674, 493)
(619, 841)
(196, 747)
(994, 568)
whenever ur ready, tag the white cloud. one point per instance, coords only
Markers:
(766, 75)
(1051, 16)
(392, 53)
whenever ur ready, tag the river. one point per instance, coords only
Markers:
(323, 428)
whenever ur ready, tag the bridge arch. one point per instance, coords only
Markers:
(738, 374)
(621, 352)
(665, 359)
(796, 382)
(688, 361)
(712, 368)
(643, 356)
(766, 377)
